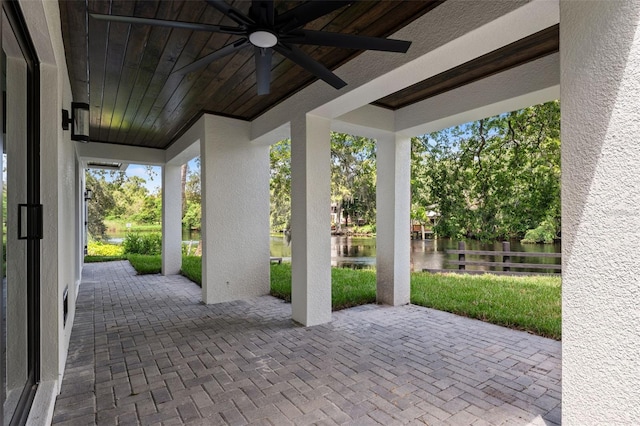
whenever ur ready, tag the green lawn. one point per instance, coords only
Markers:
(92, 259)
(146, 264)
(529, 303)
(120, 226)
(349, 287)
(192, 268)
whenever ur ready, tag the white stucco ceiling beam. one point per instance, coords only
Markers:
(368, 121)
(450, 35)
(103, 152)
(529, 84)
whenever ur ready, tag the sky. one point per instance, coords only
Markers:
(141, 171)
(153, 185)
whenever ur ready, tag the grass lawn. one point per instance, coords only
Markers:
(92, 259)
(529, 303)
(146, 264)
(121, 226)
(192, 268)
(348, 287)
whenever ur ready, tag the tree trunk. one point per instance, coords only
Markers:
(184, 170)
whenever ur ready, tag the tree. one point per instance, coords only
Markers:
(353, 177)
(184, 170)
(493, 178)
(101, 203)
(150, 210)
(280, 185)
(129, 195)
(193, 214)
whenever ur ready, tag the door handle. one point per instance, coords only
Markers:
(30, 222)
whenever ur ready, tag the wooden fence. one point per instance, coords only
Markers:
(507, 265)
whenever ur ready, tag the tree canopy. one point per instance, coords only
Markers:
(494, 178)
(353, 180)
(120, 197)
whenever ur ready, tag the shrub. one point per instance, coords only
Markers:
(135, 243)
(365, 229)
(98, 248)
(544, 233)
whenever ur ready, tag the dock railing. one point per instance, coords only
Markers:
(507, 265)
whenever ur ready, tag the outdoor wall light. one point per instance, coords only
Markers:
(79, 121)
(88, 195)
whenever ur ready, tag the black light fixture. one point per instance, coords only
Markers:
(88, 195)
(79, 121)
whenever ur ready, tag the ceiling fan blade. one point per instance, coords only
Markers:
(349, 41)
(231, 12)
(263, 12)
(307, 12)
(263, 70)
(164, 23)
(310, 64)
(220, 53)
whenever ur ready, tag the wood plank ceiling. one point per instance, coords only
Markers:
(530, 48)
(125, 71)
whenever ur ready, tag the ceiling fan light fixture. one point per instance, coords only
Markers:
(262, 38)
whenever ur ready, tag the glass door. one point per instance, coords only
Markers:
(21, 219)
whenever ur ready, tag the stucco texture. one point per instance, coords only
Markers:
(600, 89)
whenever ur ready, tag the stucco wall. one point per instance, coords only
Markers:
(600, 91)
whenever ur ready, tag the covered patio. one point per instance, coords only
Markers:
(144, 350)
(160, 350)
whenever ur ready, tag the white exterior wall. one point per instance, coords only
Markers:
(235, 212)
(600, 89)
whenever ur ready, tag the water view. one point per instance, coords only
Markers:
(360, 252)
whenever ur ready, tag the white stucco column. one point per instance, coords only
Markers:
(235, 212)
(393, 202)
(600, 93)
(171, 220)
(311, 220)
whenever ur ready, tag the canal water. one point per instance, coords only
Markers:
(360, 252)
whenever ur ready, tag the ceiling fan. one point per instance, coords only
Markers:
(266, 30)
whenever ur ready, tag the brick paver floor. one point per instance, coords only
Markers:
(144, 350)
